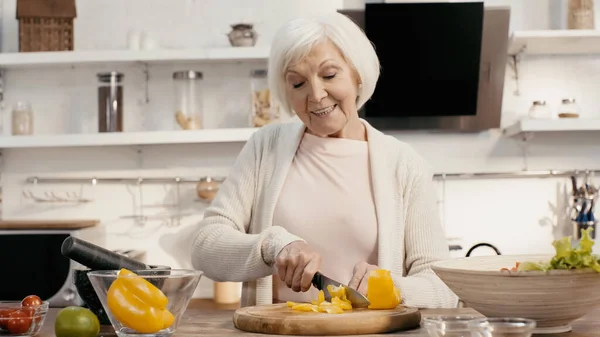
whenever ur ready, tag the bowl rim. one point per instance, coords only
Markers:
(442, 266)
(144, 273)
(520, 323)
(40, 310)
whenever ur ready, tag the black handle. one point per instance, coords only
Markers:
(317, 281)
(96, 257)
(483, 244)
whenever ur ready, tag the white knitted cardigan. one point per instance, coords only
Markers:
(237, 241)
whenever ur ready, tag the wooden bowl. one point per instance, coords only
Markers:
(553, 299)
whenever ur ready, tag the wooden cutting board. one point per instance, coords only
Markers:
(280, 320)
(48, 224)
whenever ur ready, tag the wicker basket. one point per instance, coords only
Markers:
(46, 25)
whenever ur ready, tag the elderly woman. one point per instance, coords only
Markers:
(329, 193)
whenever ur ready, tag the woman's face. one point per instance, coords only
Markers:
(322, 89)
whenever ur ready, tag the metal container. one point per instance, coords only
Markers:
(110, 102)
(188, 99)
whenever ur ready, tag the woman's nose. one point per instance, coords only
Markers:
(317, 92)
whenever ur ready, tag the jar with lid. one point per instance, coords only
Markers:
(110, 102)
(22, 119)
(539, 110)
(188, 99)
(568, 109)
(264, 109)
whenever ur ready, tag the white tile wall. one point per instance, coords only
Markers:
(516, 215)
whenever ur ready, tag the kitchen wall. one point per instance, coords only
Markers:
(516, 215)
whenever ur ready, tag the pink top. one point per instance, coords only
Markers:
(327, 200)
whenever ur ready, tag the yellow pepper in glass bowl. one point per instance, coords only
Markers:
(145, 302)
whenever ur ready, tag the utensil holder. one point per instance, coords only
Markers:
(578, 226)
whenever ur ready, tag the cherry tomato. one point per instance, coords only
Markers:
(31, 313)
(18, 322)
(31, 301)
(4, 317)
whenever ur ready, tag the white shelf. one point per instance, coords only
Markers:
(88, 57)
(128, 138)
(552, 125)
(557, 42)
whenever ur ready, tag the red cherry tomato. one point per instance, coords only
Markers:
(18, 322)
(31, 301)
(4, 317)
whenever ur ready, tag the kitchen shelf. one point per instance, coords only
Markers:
(227, 135)
(552, 125)
(557, 42)
(90, 57)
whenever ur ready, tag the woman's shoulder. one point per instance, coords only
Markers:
(406, 159)
(273, 134)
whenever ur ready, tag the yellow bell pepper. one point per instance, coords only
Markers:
(339, 303)
(381, 291)
(138, 304)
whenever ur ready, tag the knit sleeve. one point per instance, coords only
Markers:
(222, 247)
(425, 244)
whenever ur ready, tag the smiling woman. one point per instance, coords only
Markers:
(330, 193)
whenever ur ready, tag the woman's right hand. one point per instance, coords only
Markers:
(296, 265)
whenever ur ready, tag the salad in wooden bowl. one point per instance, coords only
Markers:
(554, 289)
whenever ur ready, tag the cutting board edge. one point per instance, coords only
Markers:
(274, 326)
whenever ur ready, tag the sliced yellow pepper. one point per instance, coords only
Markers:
(338, 303)
(381, 291)
(138, 304)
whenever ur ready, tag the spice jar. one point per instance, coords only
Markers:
(568, 109)
(188, 99)
(264, 109)
(110, 102)
(539, 110)
(22, 119)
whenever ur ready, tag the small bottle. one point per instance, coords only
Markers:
(22, 119)
(539, 110)
(568, 109)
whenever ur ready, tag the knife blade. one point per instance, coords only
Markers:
(357, 299)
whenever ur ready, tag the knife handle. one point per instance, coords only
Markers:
(317, 281)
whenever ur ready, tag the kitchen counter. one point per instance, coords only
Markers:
(204, 318)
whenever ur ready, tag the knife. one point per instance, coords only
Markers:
(357, 299)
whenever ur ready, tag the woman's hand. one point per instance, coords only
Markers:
(360, 276)
(296, 265)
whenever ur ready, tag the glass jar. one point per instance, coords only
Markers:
(110, 102)
(188, 99)
(568, 109)
(264, 109)
(22, 119)
(539, 110)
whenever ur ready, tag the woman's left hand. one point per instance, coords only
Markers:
(360, 276)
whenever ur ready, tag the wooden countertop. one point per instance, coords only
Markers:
(205, 318)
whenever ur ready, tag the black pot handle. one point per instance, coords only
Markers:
(483, 244)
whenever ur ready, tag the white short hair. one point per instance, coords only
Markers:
(294, 40)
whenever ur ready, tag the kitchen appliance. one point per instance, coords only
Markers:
(32, 263)
(357, 299)
(410, 109)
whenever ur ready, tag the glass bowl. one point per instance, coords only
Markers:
(147, 303)
(502, 327)
(448, 325)
(16, 320)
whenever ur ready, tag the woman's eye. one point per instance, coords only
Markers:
(330, 76)
(298, 85)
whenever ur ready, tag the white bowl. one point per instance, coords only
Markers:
(553, 299)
